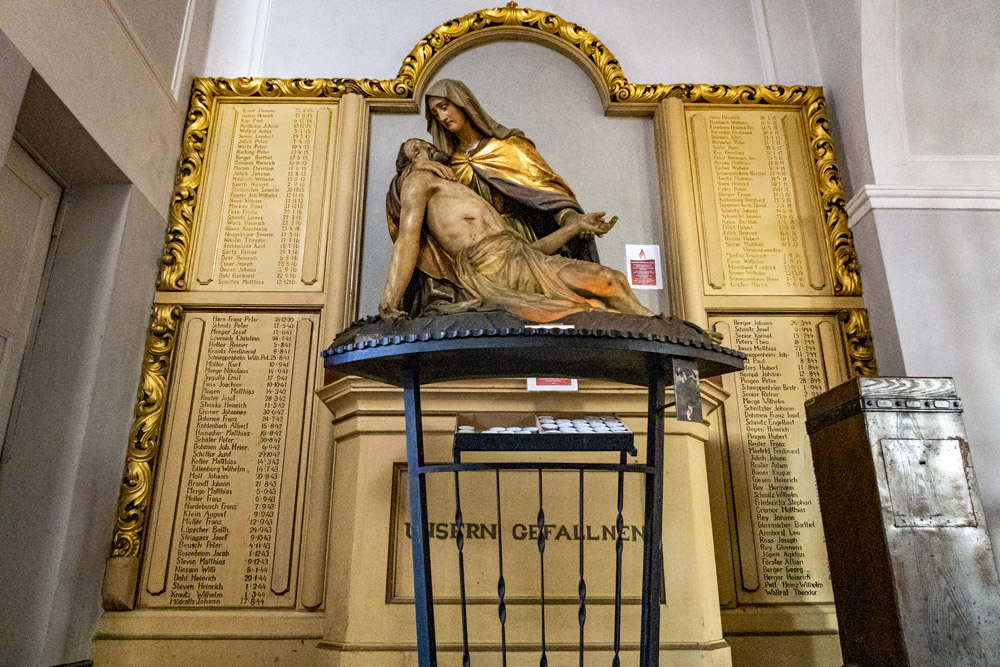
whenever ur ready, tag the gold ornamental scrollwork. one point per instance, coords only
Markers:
(180, 232)
(858, 342)
(844, 259)
(177, 248)
(144, 439)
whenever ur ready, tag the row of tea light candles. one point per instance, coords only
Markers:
(549, 424)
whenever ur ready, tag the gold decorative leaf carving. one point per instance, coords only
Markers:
(844, 259)
(846, 273)
(177, 247)
(858, 341)
(144, 439)
(204, 91)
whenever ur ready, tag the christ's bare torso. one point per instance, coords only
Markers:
(456, 216)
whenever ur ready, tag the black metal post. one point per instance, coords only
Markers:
(423, 595)
(501, 584)
(460, 545)
(649, 641)
(619, 537)
(582, 585)
(543, 661)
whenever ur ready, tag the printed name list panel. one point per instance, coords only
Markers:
(225, 520)
(762, 227)
(782, 553)
(262, 212)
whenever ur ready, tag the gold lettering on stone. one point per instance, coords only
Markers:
(263, 205)
(518, 531)
(759, 218)
(232, 532)
(782, 553)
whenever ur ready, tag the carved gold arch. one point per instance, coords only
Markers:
(509, 22)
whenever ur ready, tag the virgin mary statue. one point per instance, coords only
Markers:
(503, 167)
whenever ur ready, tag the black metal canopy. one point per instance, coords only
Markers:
(600, 346)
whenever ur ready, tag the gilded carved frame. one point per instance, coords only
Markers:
(509, 22)
(530, 24)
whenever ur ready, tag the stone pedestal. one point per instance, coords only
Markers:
(913, 572)
(369, 609)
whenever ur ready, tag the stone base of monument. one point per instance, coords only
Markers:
(518, 545)
(913, 571)
(369, 603)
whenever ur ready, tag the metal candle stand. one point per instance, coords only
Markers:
(655, 360)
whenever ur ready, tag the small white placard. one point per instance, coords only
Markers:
(551, 384)
(549, 326)
(644, 266)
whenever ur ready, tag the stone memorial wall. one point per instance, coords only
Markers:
(757, 223)
(263, 214)
(253, 285)
(780, 534)
(760, 219)
(237, 496)
(229, 541)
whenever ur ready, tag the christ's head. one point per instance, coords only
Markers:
(417, 149)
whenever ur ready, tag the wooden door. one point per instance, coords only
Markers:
(29, 200)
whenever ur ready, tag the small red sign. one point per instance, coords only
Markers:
(554, 382)
(643, 272)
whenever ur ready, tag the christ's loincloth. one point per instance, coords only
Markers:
(502, 271)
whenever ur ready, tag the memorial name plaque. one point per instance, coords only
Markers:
(518, 531)
(791, 358)
(262, 212)
(761, 220)
(234, 443)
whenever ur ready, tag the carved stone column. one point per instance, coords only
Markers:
(913, 571)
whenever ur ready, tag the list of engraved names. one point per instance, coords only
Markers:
(264, 213)
(761, 240)
(783, 370)
(227, 510)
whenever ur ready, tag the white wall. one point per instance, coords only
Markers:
(109, 124)
(836, 34)
(930, 93)
(672, 41)
(91, 53)
(949, 56)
